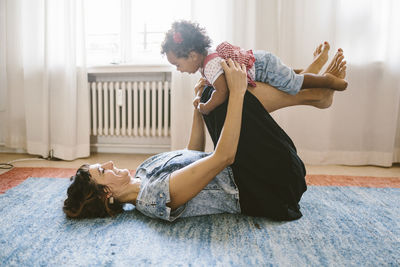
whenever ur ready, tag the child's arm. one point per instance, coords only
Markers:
(217, 97)
(198, 90)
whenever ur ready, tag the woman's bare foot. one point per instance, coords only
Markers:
(320, 58)
(337, 59)
(335, 71)
(321, 97)
(321, 53)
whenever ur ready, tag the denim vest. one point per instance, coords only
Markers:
(221, 195)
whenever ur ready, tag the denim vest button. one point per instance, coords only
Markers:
(161, 195)
(161, 213)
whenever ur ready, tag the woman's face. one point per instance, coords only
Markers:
(107, 174)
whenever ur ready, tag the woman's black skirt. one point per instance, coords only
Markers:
(267, 170)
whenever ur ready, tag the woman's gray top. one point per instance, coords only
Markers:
(221, 195)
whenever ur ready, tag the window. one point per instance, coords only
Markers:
(130, 31)
(365, 25)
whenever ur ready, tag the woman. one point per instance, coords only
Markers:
(259, 175)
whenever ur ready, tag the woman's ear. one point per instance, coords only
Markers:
(108, 194)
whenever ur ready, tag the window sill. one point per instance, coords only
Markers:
(121, 68)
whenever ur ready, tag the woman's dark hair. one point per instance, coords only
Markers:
(185, 37)
(87, 199)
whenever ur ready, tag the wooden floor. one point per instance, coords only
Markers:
(131, 161)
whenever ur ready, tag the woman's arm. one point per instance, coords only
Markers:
(190, 180)
(197, 139)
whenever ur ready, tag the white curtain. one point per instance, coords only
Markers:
(45, 80)
(363, 124)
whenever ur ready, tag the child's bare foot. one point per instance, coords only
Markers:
(336, 71)
(320, 58)
(337, 83)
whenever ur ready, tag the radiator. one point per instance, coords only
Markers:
(139, 108)
(130, 110)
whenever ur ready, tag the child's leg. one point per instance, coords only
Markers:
(270, 69)
(273, 99)
(326, 80)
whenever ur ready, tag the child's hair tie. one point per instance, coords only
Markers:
(177, 37)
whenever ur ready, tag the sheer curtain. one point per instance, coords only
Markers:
(47, 107)
(363, 124)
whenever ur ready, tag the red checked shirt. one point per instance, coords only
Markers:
(212, 63)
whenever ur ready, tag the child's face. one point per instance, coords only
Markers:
(190, 64)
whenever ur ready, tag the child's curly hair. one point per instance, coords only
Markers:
(87, 199)
(185, 37)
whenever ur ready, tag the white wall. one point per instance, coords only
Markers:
(2, 115)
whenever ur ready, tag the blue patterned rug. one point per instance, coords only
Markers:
(341, 226)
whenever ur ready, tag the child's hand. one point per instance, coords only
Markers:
(196, 101)
(203, 109)
(236, 76)
(198, 88)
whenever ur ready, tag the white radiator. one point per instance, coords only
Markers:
(130, 108)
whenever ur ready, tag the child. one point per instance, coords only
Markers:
(186, 46)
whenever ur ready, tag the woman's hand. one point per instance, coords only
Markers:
(196, 102)
(236, 76)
